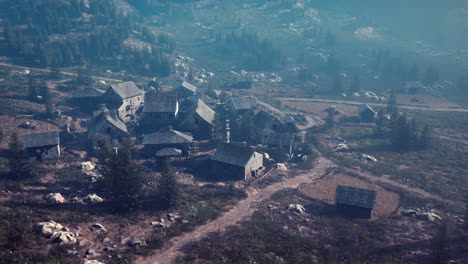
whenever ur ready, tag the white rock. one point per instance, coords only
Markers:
(97, 227)
(341, 147)
(54, 198)
(93, 199)
(297, 208)
(368, 158)
(281, 167)
(47, 229)
(64, 237)
(92, 261)
(429, 216)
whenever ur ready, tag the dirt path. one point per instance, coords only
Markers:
(239, 212)
(61, 72)
(376, 104)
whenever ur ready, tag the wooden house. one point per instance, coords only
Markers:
(167, 139)
(234, 162)
(41, 146)
(87, 97)
(106, 125)
(355, 202)
(124, 97)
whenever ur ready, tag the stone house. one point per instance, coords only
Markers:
(160, 109)
(355, 202)
(41, 146)
(234, 162)
(199, 120)
(241, 105)
(124, 97)
(106, 125)
(166, 139)
(185, 90)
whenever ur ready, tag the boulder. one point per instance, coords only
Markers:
(408, 212)
(297, 208)
(92, 261)
(173, 217)
(54, 198)
(429, 217)
(303, 229)
(157, 224)
(64, 237)
(47, 229)
(92, 253)
(85, 243)
(368, 158)
(342, 147)
(136, 242)
(93, 199)
(98, 228)
(280, 167)
(87, 166)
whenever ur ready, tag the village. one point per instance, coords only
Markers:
(221, 139)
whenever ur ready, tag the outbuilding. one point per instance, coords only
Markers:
(234, 162)
(355, 202)
(41, 146)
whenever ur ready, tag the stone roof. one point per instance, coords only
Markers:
(200, 108)
(188, 86)
(205, 98)
(366, 107)
(168, 152)
(167, 137)
(101, 118)
(41, 139)
(161, 102)
(243, 103)
(355, 196)
(88, 92)
(126, 89)
(233, 154)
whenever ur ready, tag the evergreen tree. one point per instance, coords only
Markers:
(425, 137)
(168, 187)
(219, 128)
(330, 118)
(18, 163)
(123, 179)
(401, 134)
(380, 122)
(414, 73)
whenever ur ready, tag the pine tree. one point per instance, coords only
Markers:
(168, 187)
(356, 84)
(431, 76)
(401, 134)
(380, 123)
(337, 84)
(32, 92)
(18, 163)
(123, 179)
(425, 137)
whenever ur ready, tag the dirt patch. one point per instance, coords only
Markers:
(387, 202)
(319, 108)
(425, 100)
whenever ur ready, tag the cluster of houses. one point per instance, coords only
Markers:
(167, 123)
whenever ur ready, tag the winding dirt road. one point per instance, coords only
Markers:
(243, 209)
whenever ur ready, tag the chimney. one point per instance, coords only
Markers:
(228, 132)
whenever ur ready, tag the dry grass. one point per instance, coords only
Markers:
(319, 108)
(387, 202)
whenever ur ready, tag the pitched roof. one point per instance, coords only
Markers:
(126, 89)
(188, 86)
(233, 154)
(160, 102)
(88, 92)
(41, 139)
(101, 118)
(205, 98)
(243, 103)
(355, 196)
(413, 84)
(167, 137)
(200, 108)
(168, 152)
(366, 107)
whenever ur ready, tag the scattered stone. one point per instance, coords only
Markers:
(109, 249)
(285, 227)
(368, 158)
(92, 261)
(303, 229)
(341, 147)
(54, 198)
(28, 125)
(297, 208)
(157, 224)
(85, 243)
(185, 221)
(106, 240)
(280, 167)
(408, 212)
(64, 237)
(47, 229)
(429, 217)
(93, 199)
(173, 217)
(92, 253)
(98, 228)
(135, 242)
(87, 166)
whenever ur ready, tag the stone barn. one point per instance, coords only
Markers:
(160, 109)
(41, 146)
(233, 162)
(185, 90)
(126, 98)
(355, 202)
(106, 125)
(199, 119)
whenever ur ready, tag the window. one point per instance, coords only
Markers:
(108, 130)
(196, 121)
